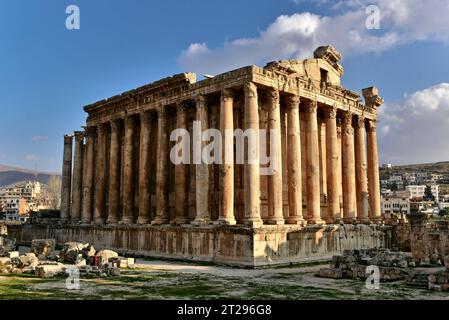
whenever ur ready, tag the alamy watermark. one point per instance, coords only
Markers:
(220, 147)
(373, 19)
(73, 20)
(373, 280)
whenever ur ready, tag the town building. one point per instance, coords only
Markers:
(418, 191)
(19, 199)
(396, 202)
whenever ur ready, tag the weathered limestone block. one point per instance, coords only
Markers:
(4, 261)
(105, 255)
(49, 271)
(28, 260)
(71, 250)
(13, 254)
(43, 246)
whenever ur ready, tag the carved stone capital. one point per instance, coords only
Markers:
(330, 112)
(79, 136)
(372, 126)
(310, 106)
(360, 122)
(162, 112)
(90, 131)
(130, 121)
(273, 96)
(115, 124)
(347, 118)
(250, 90)
(182, 106)
(292, 101)
(68, 139)
(200, 101)
(227, 95)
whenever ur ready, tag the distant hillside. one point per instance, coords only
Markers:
(441, 167)
(11, 175)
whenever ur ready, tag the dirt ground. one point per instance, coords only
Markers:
(175, 280)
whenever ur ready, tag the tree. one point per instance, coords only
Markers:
(428, 194)
(444, 212)
(394, 186)
(53, 192)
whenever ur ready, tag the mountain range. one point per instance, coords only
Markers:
(11, 175)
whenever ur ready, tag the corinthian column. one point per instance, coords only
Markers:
(294, 162)
(181, 171)
(77, 194)
(88, 178)
(361, 178)
(226, 204)
(349, 195)
(333, 159)
(313, 165)
(66, 177)
(162, 216)
(115, 165)
(373, 171)
(128, 173)
(100, 176)
(251, 167)
(202, 169)
(275, 181)
(144, 170)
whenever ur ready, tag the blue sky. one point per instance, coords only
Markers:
(48, 73)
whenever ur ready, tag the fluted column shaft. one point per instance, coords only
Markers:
(373, 172)
(275, 181)
(333, 159)
(349, 194)
(115, 165)
(251, 166)
(361, 173)
(162, 216)
(313, 165)
(66, 177)
(202, 169)
(100, 175)
(294, 162)
(144, 170)
(181, 171)
(77, 193)
(129, 172)
(88, 178)
(226, 204)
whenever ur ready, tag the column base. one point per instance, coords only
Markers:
(143, 220)
(315, 221)
(127, 220)
(159, 221)
(296, 220)
(364, 221)
(278, 222)
(86, 221)
(99, 221)
(254, 223)
(112, 221)
(225, 222)
(201, 221)
(179, 221)
(350, 220)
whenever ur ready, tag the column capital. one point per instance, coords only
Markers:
(79, 135)
(360, 122)
(68, 139)
(372, 126)
(182, 105)
(162, 111)
(273, 95)
(293, 101)
(226, 95)
(250, 90)
(130, 120)
(310, 106)
(330, 112)
(347, 118)
(200, 101)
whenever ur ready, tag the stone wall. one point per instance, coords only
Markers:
(237, 246)
(429, 241)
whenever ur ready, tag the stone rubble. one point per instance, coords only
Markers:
(393, 266)
(43, 261)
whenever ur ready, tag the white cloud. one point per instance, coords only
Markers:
(297, 35)
(31, 157)
(416, 130)
(39, 138)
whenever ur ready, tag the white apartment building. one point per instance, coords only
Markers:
(417, 191)
(395, 202)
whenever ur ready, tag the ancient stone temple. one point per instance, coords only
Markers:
(120, 188)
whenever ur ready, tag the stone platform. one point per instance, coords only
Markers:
(239, 246)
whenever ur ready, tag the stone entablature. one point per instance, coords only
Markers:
(184, 86)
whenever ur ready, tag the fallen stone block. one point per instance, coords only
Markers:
(105, 255)
(49, 271)
(331, 273)
(5, 261)
(13, 254)
(43, 247)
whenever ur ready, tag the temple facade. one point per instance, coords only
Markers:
(118, 172)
